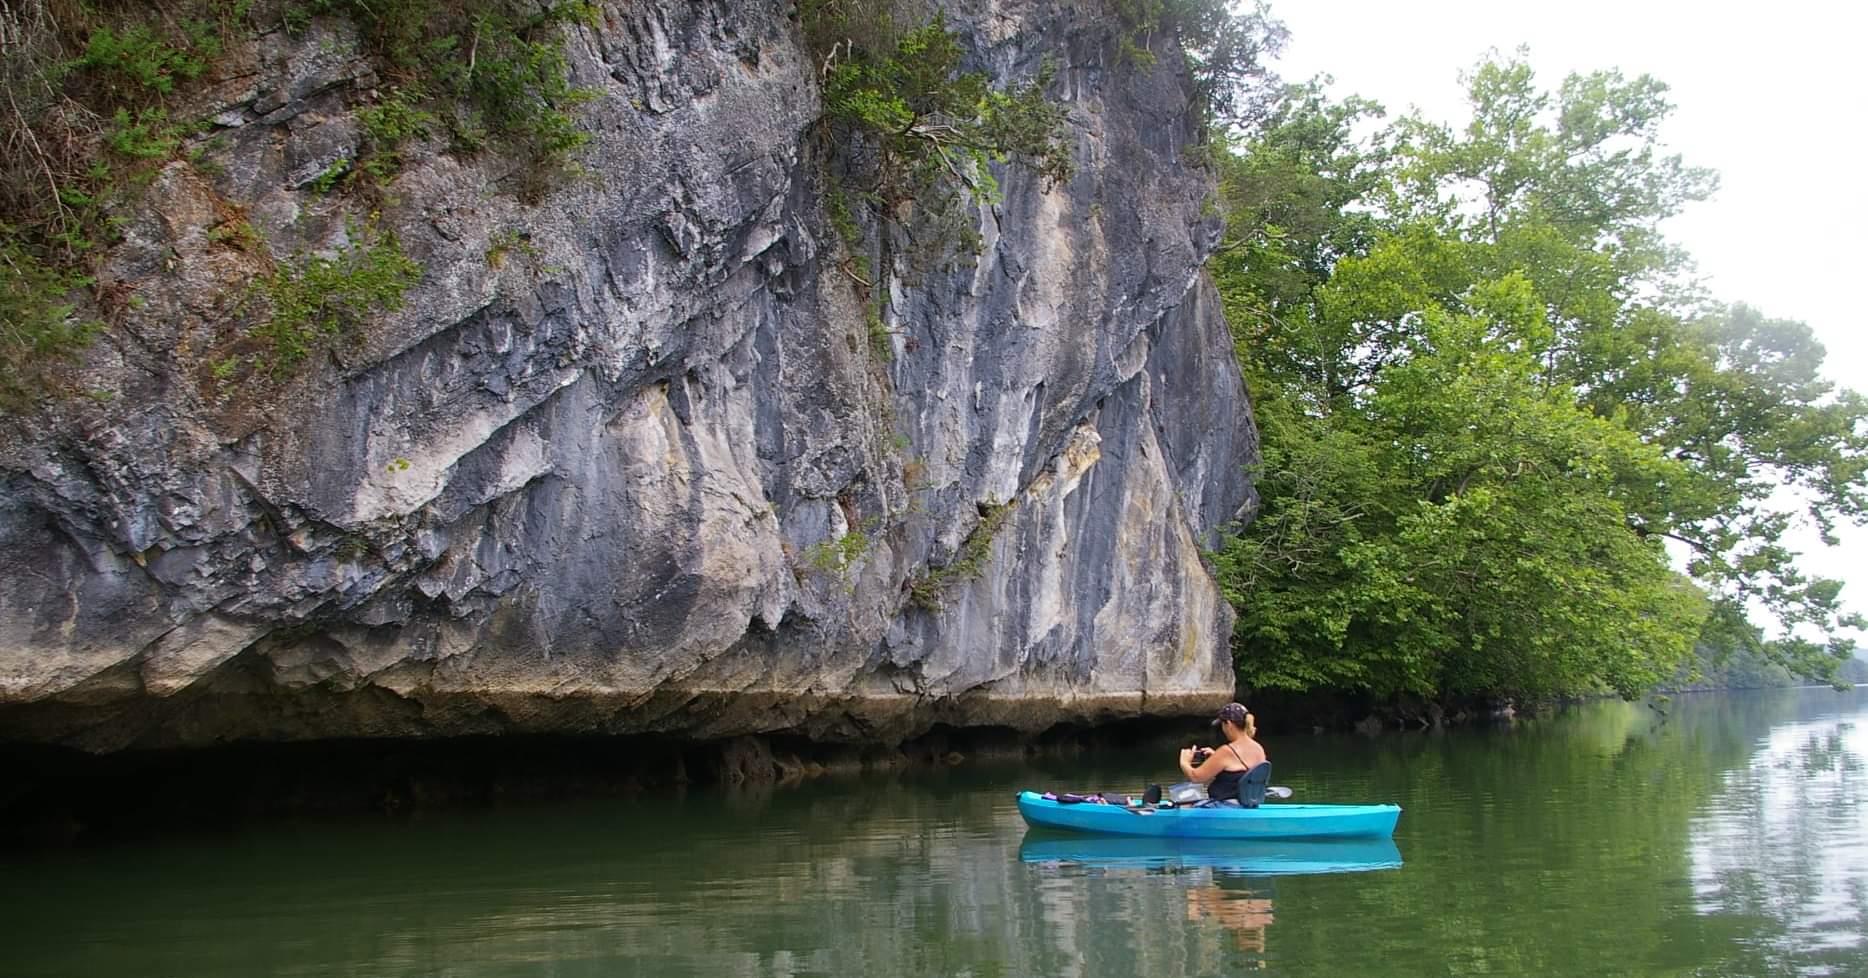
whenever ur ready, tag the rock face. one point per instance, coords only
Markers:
(603, 471)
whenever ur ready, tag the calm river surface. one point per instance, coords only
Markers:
(1727, 838)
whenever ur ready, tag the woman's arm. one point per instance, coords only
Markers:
(1206, 771)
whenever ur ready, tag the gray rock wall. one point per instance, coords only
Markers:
(594, 486)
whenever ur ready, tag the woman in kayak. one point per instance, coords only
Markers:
(1224, 767)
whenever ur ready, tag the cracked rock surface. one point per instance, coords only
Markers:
(607, 480)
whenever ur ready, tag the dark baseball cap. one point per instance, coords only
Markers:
(1235, 712)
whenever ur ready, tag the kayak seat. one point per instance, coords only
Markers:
(1252, 786)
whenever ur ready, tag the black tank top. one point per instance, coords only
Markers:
(1225, 786)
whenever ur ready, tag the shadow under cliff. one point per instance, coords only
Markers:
(55, 796)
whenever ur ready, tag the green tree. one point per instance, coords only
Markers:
(1289, 212)
(1488, 395)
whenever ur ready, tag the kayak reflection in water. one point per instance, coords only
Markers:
(1240, 910)
(1222, 768)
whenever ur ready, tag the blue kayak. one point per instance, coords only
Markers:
(1267, 857)
(1269, 821)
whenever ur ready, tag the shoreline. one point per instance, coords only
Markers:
(61, 797)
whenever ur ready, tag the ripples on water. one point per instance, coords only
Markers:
(1727, 838)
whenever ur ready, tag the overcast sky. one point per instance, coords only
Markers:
(1771, 95)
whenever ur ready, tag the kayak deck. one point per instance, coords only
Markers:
(1264, 822)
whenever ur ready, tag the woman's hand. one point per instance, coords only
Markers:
(1186, 756)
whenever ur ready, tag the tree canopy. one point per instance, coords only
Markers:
(1493, 401)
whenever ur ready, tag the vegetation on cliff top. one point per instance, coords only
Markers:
(83, 120)
(94, 96)
(492, 73)
(912, 135)
(1491, 399)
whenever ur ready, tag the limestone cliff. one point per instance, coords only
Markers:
(607, 483)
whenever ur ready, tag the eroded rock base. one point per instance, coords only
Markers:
(227, 713)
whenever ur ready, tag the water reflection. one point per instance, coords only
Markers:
(1725, 839)
(1245, 858)
(1245, 913)
(1222, 881)
(1781, 848)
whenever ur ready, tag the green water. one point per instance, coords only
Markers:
(1727, 838)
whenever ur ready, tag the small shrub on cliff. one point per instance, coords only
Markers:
(927, 591)
(316, 299)
(494, 72)
(147, 136)
(509, 241)
(387, 126)
(135, 62)
(881, 341)
(909, 125)
(39, 321)
(836, 556)
(930, 120)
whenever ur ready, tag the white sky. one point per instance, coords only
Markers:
(1772, 96)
